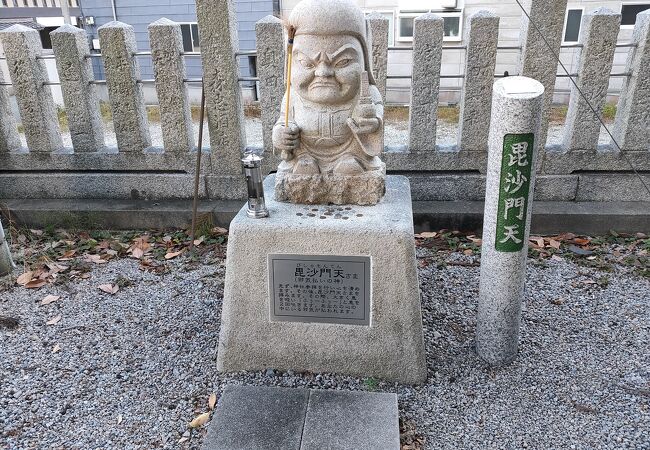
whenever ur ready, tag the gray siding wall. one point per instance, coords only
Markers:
(140, 13)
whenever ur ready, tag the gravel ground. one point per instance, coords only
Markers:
(396, 133)
(135, 367)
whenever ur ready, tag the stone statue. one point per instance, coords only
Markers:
(331, 146)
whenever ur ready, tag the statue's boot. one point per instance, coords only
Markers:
(348, 166)
(306, 165)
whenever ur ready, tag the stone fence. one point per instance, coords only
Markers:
(580, 169)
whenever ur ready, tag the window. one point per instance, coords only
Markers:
(190, 32)
(453, 22)
(390, 15)
(572, 25)
(630, 11)
(46, 41)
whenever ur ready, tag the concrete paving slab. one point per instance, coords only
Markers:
(346, 420)
(261, 418)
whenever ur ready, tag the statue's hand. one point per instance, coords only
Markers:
(365, 119)
(286, 139)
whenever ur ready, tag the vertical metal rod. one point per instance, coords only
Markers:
(197, 175)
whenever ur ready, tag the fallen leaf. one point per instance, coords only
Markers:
(54, 320)
(109, 288)
(172, 255)
(588, 282)
(25, 278)
(50, 299)
(85, 276)
(199, 420)
(212, 400)
(219, 231)
(137, 253)
(97, 259)
(119, 419)
(557, 258)
(199, 241)
(183, 439)
(581, 241)
(56, 348)
(557, 301)
(553, 243)
(427, 234)
(468, 252)
(35, 284)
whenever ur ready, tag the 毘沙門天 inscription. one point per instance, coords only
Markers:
(514, 186)
(320, 288)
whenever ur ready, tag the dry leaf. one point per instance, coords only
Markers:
(553, 243)
(172, 255)
(137, 253)
(109, 288)
(427, 234)
(119, 419)
(85, 276)
(219, 231)
(468, 252)
(199, 420)
(35, 284)
(212, 400)
(97, 259)
(557, 258)
(56, 348)
(25, 278)
(199, 241)
(54, 320)
(183, 439)
(50, 299)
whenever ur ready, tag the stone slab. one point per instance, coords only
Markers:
(345, 420)
(255, 417)
(391, 347)
(261, 418)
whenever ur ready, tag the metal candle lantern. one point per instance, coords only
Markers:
(252, 167)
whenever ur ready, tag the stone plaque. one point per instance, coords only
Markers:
(320, 288)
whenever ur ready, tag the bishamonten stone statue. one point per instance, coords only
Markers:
(331, 146)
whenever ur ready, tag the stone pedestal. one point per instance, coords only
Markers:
(390, 347)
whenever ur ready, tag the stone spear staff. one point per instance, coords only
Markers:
(291, 32)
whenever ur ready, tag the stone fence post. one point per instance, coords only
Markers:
(632, 123)
(428, 30)
(118, 45)
(378, 34)
(517, 106)
(482, 35)
(22, 46)
(270, 70)
(75, 69)
(598, 34)
(219, 43)
(9, 140)
(537, 60)
(166, 43)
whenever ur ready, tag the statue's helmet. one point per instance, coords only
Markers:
(333, 17)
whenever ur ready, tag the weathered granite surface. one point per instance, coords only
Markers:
(598, 34)
(70, 45)
(632, 123)
(118, 44)
(378, 28)
(391, 347)
(22, 46)
(166, 43)
(476, 97)
(9, 140)
(330, 133)
(516, 109)
(428, 30)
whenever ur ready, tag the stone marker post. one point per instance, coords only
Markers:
(9, 140)
(378, 27)
(517, 107)
(28, 73)
(6, 263)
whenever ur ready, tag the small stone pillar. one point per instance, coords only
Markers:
(598, 34)
(428, 31)
(9, 140)
(22, 46)
(75, 69)
(6, 263)
(378, 26)
(118, 44)
(270, 70)
(166, 43)
(631, 127)
(219, 43)
(481, 57)
(517, 106)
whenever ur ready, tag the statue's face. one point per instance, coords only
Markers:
(327, 69)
